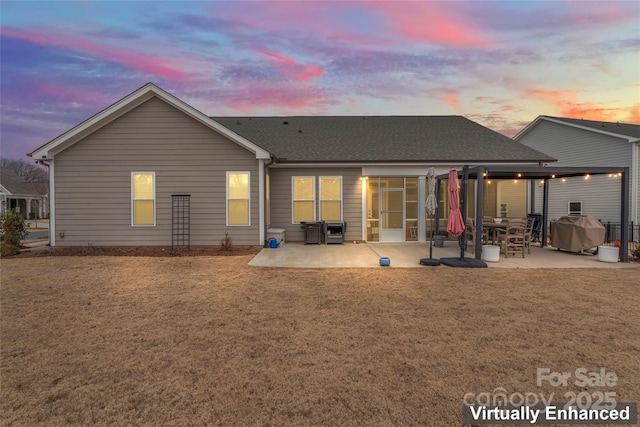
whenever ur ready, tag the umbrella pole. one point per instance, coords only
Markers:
(463, 202)
(431, 241)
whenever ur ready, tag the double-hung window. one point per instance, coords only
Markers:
(303, 198)
(238, 199)
(330, 198)
(143, 198)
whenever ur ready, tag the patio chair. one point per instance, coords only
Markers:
(528, 236)
(512, 238)
(470, 234)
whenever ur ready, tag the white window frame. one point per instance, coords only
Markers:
(226, 200)
(570, 212)
(153, 174)
(320, 200)
(293, 180)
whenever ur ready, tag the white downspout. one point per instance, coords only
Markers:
(363, 191)
(52, 205)
(261, 207)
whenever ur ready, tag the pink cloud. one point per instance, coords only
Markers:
(566, 104)
(432, 22)
(283, 98)
(145, 63)
(451, 98)
(294, 70)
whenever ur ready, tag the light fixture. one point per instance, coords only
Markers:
(519, 175)
(553, 175)
(587, 176)
(484, 173)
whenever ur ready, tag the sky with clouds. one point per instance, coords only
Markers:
(500, 63)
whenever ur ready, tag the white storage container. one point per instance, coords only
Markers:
(608, 253)
(276, 233)
(491, 253)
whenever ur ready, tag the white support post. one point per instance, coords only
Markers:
(422, 198)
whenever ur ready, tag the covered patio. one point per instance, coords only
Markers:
(542, 174)
(359, 255)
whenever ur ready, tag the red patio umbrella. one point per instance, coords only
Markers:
(455, 225)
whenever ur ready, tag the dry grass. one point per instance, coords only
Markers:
(211, 341)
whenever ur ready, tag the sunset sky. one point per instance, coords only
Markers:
(500, 63)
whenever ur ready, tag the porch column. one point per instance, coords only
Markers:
(624, 216)
(422, 199)
(28, 202)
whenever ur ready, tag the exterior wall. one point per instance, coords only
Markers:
(514, 194)
(577, 147)
(281, 204)
(93, 180)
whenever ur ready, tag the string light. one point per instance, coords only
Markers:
(519, 175)
(553, 176)
(587, 176)
(564, 179)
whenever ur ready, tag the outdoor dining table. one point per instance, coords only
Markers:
(493, 227)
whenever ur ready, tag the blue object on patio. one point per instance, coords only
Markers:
(273, 243)
(384, 261)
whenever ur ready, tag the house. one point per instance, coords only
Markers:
(113, 177)
(576, 142)
(24, 196)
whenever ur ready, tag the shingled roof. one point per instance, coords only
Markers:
(16, 185)
(447, 139)
(624, 129)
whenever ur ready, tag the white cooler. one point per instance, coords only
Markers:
(276, 233)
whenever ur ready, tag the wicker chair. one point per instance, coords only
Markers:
(512, 238)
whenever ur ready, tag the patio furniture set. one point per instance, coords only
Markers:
(512, 236)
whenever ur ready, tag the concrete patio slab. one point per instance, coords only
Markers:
(298, 255)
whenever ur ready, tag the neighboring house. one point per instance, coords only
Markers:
(25, 197)
(113, 176)
(576, 142)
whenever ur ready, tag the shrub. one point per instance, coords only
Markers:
(8, 250)
(14, 229)
(636, 252)
(227, 242)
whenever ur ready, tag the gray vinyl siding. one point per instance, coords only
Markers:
(93, 180)
(577, 147)
(281, 215)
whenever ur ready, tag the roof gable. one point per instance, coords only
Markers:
(445, 139)
(627, 131)
(128, 103)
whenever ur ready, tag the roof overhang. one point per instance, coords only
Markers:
(128, 103)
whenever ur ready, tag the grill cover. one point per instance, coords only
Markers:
(577, 232)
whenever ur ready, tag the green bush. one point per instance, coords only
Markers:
(14, 228)
(8, 250)
(636, 252)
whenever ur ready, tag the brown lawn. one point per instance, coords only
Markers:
(211, 341)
